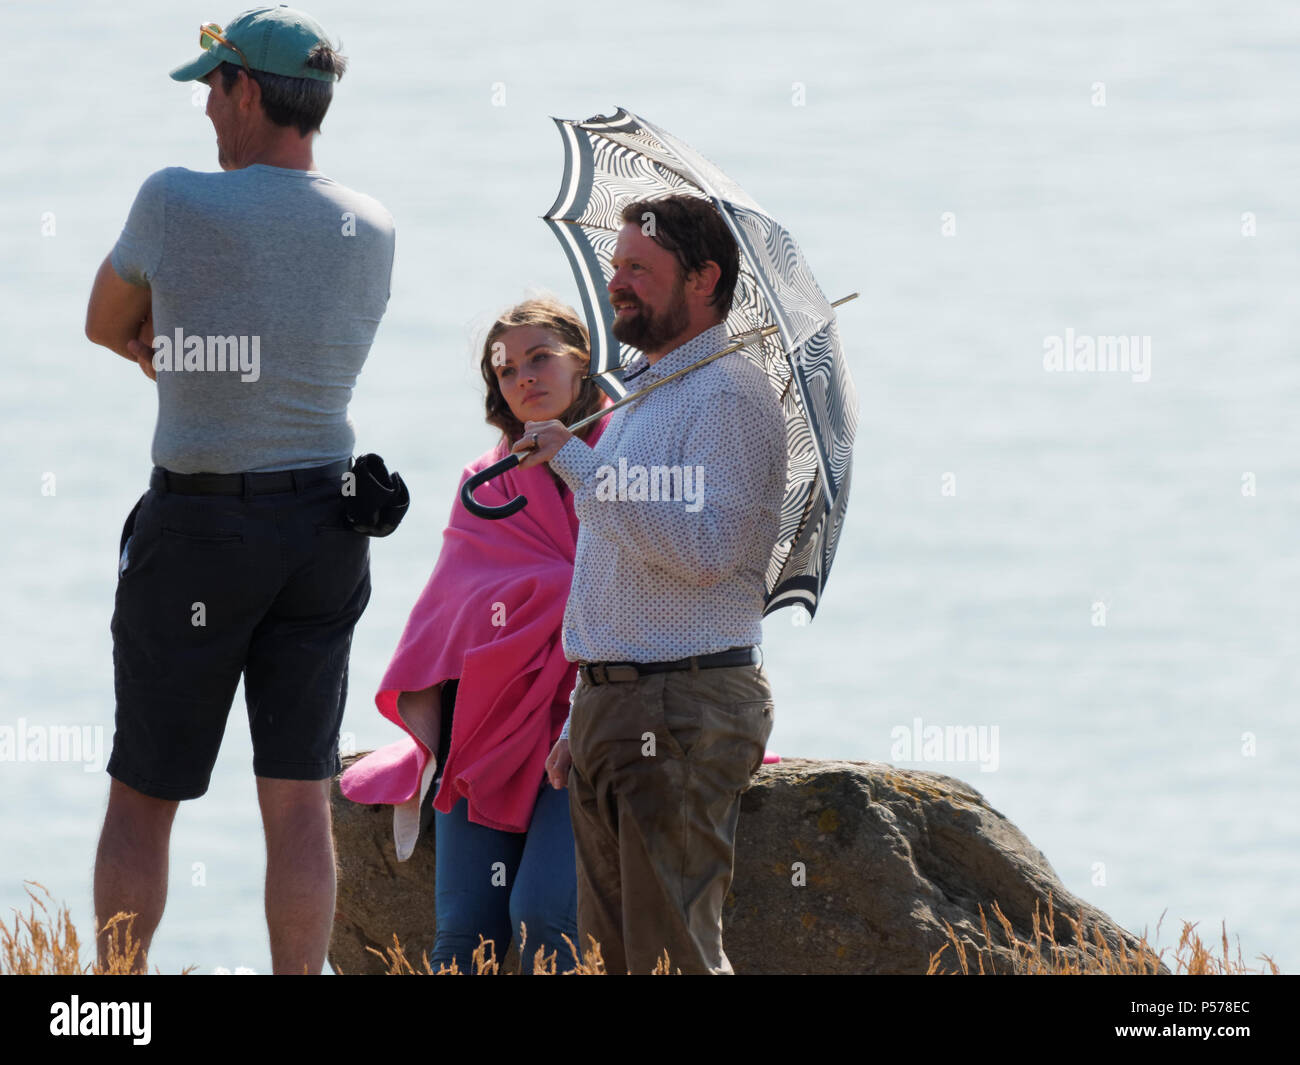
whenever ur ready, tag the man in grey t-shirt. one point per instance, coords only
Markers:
(251, 296)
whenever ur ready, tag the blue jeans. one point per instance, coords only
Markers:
(489, 881)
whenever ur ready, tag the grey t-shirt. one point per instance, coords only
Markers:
(268, 285)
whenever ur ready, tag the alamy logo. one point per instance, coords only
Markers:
(1083, 353)
(212, 354)
(102, 1018)
(53, 743)
(945, 743)
(641, 484)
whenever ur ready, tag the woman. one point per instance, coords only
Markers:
(479, 680)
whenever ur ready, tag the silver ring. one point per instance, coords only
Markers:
(534, 440)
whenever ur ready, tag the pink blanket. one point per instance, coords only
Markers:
(491, 616)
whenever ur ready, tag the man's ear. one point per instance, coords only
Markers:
(705, 279)
(250, 93)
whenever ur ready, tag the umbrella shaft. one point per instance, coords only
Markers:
(749, 338)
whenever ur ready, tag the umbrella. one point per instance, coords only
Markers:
(782, 320)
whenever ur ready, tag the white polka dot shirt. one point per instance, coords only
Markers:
(678, 507)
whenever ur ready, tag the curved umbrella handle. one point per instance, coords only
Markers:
(484, 475)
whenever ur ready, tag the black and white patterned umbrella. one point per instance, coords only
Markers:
(612, 160)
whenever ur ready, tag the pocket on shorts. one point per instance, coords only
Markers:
(128, 526)
(330, 529)
(128, 539)
(202, 537)
(336, 521)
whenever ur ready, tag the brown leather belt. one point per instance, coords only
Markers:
(624, 672)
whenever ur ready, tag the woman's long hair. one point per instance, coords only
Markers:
(562, 321)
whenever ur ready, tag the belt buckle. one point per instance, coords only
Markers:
(608, 672)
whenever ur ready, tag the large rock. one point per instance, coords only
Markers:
(841, 867)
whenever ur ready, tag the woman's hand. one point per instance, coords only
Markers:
(558, 763)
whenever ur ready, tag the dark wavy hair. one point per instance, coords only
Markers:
(562, 321)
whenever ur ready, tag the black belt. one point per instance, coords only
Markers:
(621, 672)
(238, 484)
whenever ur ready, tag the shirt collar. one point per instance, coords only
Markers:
(698, 347)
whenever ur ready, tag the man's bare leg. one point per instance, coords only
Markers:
(300, 872)
(131, 865)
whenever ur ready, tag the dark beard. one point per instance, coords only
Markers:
(647, 330)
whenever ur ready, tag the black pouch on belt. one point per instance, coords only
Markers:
(380, 498)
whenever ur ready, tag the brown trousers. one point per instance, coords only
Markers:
(658, 767)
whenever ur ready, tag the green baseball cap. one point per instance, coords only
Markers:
(275, 39)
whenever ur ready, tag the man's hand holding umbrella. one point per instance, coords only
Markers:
(540, 442)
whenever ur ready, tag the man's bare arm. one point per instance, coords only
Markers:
(117, 311)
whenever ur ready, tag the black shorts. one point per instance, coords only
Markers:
(212, 586)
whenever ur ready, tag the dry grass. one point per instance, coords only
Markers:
(484, 961)
(1087, 954)
(45, 943)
